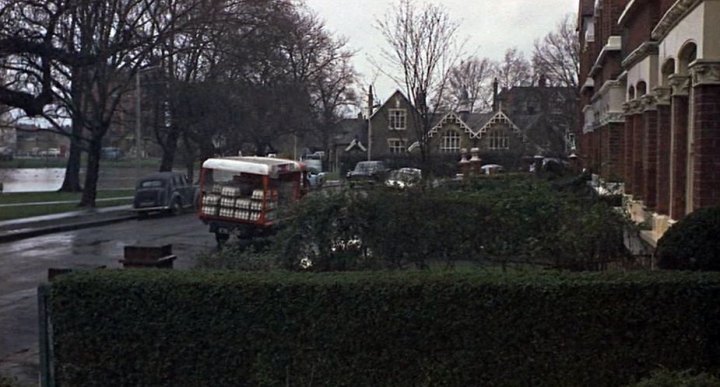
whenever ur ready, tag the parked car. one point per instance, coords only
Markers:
(367, 172)
(403, 178)
(315, 178)
(111, 153)
(168, 192)
(6, 153)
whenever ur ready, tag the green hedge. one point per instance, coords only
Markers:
(496, 220)
(152, 327)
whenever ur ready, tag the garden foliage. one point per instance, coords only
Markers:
(486, 221)
(692, 243)
(152, 327)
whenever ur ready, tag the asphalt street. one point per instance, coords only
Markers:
(24, 265)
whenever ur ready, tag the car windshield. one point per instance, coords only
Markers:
(152, 183)
(365, 167)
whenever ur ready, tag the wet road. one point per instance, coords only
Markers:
(24, 265)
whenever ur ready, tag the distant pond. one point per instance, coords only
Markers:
(50, 179)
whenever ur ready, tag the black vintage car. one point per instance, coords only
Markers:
(164, 192)
(367, 172)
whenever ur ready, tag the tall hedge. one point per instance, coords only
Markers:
(133, 328)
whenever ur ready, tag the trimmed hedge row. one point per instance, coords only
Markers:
(152, 327)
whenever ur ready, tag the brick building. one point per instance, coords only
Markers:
(650, 75)
(525, 121)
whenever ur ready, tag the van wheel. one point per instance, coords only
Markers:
(221, 239)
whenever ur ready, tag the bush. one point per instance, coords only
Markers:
(505, 219)
(692, 243)
(667, 378)
(379, 328)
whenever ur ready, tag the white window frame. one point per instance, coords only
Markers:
(396, 146)
(397, 119)
(498, 139)
(450, 141)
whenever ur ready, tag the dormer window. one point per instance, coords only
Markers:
(397, 119)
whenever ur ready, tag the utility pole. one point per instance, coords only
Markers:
(138, 122)
(370, 113)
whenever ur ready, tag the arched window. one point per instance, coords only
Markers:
(667, 69)
(498, 139)
(631, 93)
(686, 56)
(641, 88)
(450, 142)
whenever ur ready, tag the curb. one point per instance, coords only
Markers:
(15, 235)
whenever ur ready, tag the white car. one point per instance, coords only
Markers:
(403, 178)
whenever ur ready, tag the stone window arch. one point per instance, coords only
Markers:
(641, 88)
(667, 69)
(631, 93)
(687, 54)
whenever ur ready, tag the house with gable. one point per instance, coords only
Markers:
(524, 121)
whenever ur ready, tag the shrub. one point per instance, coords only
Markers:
(380, 328)
(692, 243)
(666, 378)
(505, 219)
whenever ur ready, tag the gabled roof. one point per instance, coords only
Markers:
(477, 124)
(355, 143)
(454, 118)
(499, 117)
(396, 93)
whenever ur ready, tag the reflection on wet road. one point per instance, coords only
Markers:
(24, 265)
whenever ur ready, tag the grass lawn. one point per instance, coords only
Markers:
(61, 162)
(119, 197)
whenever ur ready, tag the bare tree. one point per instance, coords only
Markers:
(470, 84)
(513, 70)
(423, 47)
(557, 55)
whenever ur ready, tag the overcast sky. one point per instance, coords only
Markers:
(491, 26)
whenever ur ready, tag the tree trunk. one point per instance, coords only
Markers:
(169, 148)
(93, 171)
(71, 182)
(189, 158)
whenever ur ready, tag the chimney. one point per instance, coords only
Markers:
(370, 102)
(542, 82)
(495, 95)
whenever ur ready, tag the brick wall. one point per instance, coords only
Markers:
(706, 145)
(662, 187)
(638, 148)
(679, 155)
(650, 156)
(616, 142)
(628, 154)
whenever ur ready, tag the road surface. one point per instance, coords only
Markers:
(24, 265)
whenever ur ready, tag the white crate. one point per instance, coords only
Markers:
(226, 212)
(231, 192)
(209, 210)
(242, 203)
(211, 200)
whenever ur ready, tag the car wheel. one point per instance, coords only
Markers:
(176, 207)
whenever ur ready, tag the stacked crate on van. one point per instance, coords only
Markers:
(228, 201)
(211, 201)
